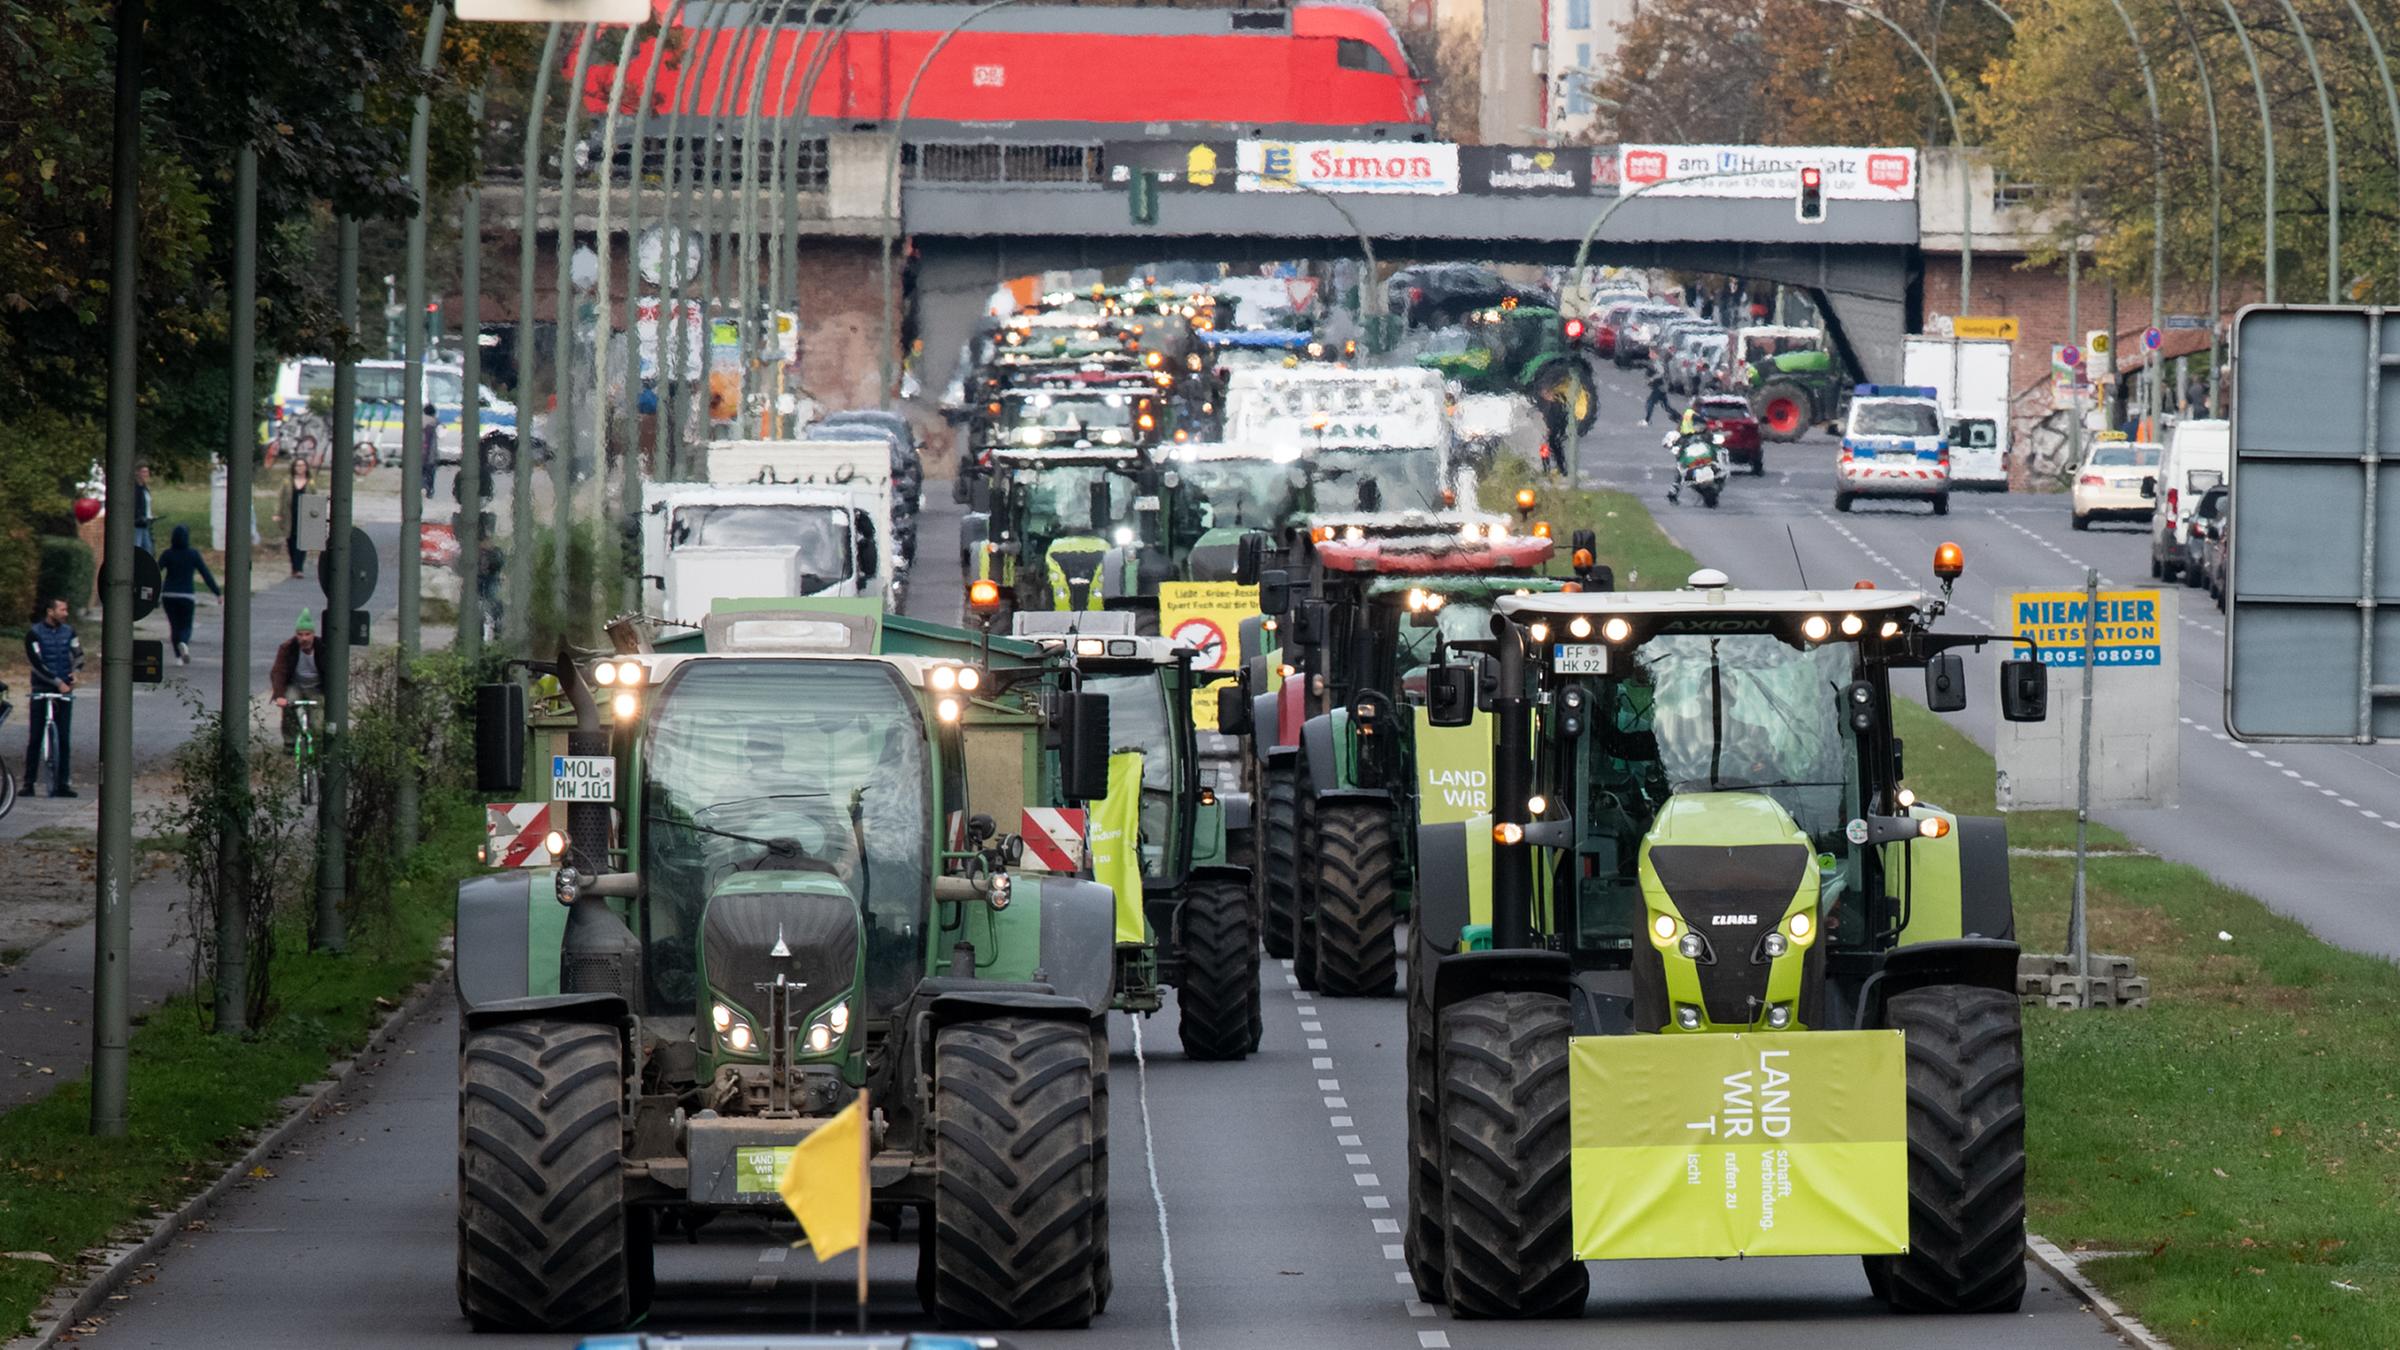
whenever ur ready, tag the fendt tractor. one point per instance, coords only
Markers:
(1183, 918)
(1709, 980)
(1348, 743)
(1078, 530)
(785, 880)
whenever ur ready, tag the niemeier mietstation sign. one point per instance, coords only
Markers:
(1441, 169)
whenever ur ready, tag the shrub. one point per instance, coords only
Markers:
(66, 569)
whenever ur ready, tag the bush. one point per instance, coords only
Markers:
(67, 568)
(418, 729)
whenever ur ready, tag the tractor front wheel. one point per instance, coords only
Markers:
(1219, 943)
(1506, 1205)
(546, 1242)
(1966, 1153)
(1279, 861)
(1422, 1244)
(1355, 857)
(1784, 410)
(1019, 1227)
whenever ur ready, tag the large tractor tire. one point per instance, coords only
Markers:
(1279, 861)
(1966, 1153)
(1219, 943)
(1019, 1224)
(1104, 1273)
(1422, 1241)
(1508, 1218)
(1304, 892)
(1354, 860)
(546, 1242)
(1784, 410)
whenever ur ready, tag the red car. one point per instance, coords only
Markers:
(1731, 415)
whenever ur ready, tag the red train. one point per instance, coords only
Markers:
(1321, 63)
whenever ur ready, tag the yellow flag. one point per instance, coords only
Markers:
(1117, 843)
(825, 1183)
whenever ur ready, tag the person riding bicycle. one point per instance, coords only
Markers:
(55, 653)
(298, 673)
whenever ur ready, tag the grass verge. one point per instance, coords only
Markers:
(2239, 1142)
(197, 1097)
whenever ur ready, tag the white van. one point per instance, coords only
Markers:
(380, 417)
(2199, 456)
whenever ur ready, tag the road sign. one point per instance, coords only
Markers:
(1053, 838)
(145, 584)
(1202, 613)
(2135, 759)
(2067, 354)
(583, 778)
(365, 571)
(1986, 326)
(149, 661)
(2187, 321)
(2151, 337)
(513, 834)
(555, 11)
(1206, 640)
(1302, 292)
(2312, 632)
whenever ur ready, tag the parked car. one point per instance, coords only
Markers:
(1640, 330)
(2197, 457)
(2212, 541)
(1698, 358)
(1731, 415)
(1608, 322)
(2109, 482)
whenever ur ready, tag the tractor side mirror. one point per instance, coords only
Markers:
(1946, 682)
(1599, 578)
(1450, 695)
(1083, 747)
(1249, 558)
(1233, 710)
(1275, 593)
(2024, 690)
(979, 494)
(1310, 624)
(1096, 506)
(499, 737)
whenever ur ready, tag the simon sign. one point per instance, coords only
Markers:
(1852, 173)
(1425, 168)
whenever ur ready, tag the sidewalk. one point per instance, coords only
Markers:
(46, 998)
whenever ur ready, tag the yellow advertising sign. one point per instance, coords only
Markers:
(1984, 326)
(1748, 1144)
(1207, 616)
(2127, 634)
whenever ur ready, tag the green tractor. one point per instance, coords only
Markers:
(1797, 390)
(1528, 350)
(1709, 980)
(1082, 530)
(787, 879)
(1184, 918)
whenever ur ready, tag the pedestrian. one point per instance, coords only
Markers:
(433, 447)
(1658, 394)
(55, 654)
(287, 514)
(2195, 396)
(141, 510)
(176, 569)
(298, 673)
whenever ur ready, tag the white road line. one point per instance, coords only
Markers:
(1337, 1103)
(1378, 1202)
(1312, 1026)
(1347, 1140)
(1321, 1061)
(1329, 1085)
(1354, 1159)
(758, 1282)
(1418, 1307)
(1306, 1012)
(1364, 1179)
(1339, 1122)
(1433, 1340)
(1158, 1194)
(1317, 1043)
(1393, 1252)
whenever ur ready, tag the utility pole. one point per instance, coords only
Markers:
(470, 418)
(566, 426)
(333, 635)
(520, 488)
(113, 936)
(233, 703)
(413, 469)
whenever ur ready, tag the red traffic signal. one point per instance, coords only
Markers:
(1810, 203)
(1574, 329)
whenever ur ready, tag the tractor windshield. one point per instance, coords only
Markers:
(1351, 478)
(1138, 721)
(785, 765)
(820, 533)
(1458, 620)
(1249, 492)
(1058, 500)
(1752, 711)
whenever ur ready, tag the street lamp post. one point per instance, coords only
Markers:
(2216, 196)
(2158, 200)
(629, 413)
(1371, 298)
(566, 423)
(413, 469)
(2266, 131)
(2383, 71)
(2333, 168)
(891, 195)
(520, 492)
(1958, 138)
(684, 165)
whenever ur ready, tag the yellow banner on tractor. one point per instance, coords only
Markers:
(1116, 843)
(1767, 1144)
(1454, 770)
(1207, 617)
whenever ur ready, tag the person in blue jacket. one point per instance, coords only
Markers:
(177, 568)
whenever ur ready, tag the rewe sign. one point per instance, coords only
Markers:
(1852, 173)
(1427, 168)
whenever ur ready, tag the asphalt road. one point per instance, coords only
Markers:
(1253, 1205)
(2311, 829)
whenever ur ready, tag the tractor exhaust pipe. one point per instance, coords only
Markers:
(1512, 788)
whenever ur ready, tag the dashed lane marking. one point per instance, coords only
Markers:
(1158, 1194)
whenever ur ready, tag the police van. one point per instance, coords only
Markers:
(1895, 444)
(381, 409)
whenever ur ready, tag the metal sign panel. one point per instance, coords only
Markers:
(1416, 167)
(1851, 173)
(2136, 754)
(2313, 613)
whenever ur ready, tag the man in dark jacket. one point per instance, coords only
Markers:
(298, 673)
(178, 568)
(53, 651)
(142, 516)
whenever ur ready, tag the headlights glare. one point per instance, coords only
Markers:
(1852, 625)
(947, 710)
(626, 704)
(1803, 925)
(1616, 630)
(630, 674)
(1663, 927)
(1580, 626)
(604, 674)
(970, 680)
(720, 1017)
(1815, 628)
(820, 1038)
(839, 1018)
(741, 1039)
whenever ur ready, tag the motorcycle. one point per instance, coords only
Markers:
(1697, 464)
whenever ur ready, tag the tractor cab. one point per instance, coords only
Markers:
(1700, 827)
(1079, 529)
(1524, 349)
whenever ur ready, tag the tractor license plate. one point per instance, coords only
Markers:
(1579, 658)
(583, 778)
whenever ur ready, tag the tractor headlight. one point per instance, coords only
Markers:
(1536, 804)
(1905, 797)
(944, 678)
(947, 710)
(1803, 926)
(604, 674)
(1124, 536)
(1662, 927)
(1816, 628)
(1541, 632)
(1693, 946)
(1616, 630)
(741, 1038)
(1890, 630)
(969, 680)
(1579, 627)
(820, 1039)
(625, 705)
(839, 1018)
(720, 1017)
(1687, 1016)
(1779, 1016)
(1852, 625)
(1774, 945)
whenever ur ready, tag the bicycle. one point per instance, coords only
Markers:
(304, 748)
(50, 752)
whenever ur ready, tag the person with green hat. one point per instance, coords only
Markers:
(298, 674)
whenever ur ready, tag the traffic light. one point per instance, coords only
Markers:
(1809, 206)
(1141, 197)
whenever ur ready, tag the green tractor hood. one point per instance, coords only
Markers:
(1731, 928)
(800, 924)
